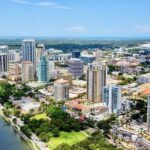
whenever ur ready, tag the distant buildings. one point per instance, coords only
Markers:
(87, 59)
(144, 78)
(43, 69)
(4, 49)
(96, 80)
(27, 71)
(61, 90)
(76, 54)
(76, 67)
(145, 49)
(29, 51)
(14, 56)
(4, 64)
(148, 114)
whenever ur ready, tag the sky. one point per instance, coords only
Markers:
(69, 18)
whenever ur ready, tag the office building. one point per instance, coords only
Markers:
(27, 71)
(14, 56)
(4, 49)
(4, 64)
(148, 114)
(40, 49)
(43, 69)
(76, 67)
(88, 59)
(112, 99)
(14, 71)
(96, 80)
(29, 51)
(76, 54)
(61, 90)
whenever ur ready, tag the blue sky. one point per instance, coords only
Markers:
(75, 18)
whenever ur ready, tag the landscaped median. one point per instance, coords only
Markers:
(69, 138)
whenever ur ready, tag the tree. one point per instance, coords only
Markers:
(5, 91)
(26, 130)
(55, 132)
(14, 120)
(44, 137)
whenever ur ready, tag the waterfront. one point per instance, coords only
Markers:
(9, 139)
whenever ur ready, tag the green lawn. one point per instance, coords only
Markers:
(69, 138)
(40, 116)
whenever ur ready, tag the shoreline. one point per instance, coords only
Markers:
(17, 129)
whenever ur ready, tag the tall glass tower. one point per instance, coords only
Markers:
(112, 98)
(29, 51)
(43, 69)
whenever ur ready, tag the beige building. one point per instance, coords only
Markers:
(14, 71)
(27, 71)
(61, 90)
(96, 80)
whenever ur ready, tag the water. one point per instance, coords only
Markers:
(9, 139)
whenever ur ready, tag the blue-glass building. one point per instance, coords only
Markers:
(112, 98)
(43, 69)
(76, 54)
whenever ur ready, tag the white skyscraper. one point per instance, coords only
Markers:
(96, 80)
(4, 49)
(148, 114)
(27, 71)
(40, 49)
(61, 89)
(29, 51)
(112, 98)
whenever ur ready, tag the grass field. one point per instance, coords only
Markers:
(40, 116)
(69, 138)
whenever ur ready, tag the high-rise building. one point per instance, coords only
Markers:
(4, 64)
(76, 54)
(96, 80)
(4, 49)
(29, 51)
(76, 67)
(14, 56)
(27, 71)
(61, 90)
(43, 69)
(40, 49)
(14, 71)
(112, 99)
(148, 114)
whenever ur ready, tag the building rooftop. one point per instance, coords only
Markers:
(61, 81)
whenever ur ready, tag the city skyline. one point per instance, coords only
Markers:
(55, 18)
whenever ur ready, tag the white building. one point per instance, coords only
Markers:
(27, 71)
(4, 49)
(144, 78)
(14, 56)
(40, 49)
(61, 90)
(112, 98)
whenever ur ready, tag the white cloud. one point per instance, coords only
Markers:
(142, 29)
(76, 28)
(43, 4)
